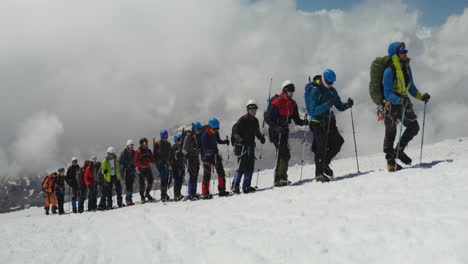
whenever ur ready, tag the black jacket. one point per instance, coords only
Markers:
(245, 131)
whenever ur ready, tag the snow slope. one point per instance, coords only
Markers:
(418, 215)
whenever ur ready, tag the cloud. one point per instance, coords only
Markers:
(116, 70)
(37, 145)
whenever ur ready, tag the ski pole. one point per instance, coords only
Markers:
(325, 150)
(303, 146)
(258, 175)
(354, 135)
(264, 110)
(401, 131)
(277, 155)
(239, 159)
(422, 136)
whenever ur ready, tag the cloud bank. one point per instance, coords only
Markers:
(101, 72)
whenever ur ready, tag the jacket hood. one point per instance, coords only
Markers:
(392, 49)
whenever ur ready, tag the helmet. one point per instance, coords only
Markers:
(61, 169)
(213, 123)
(329, 76)
(130, 142)
(143, 140)
(110, 150)
(164, 134)
(74, 159)
(288, 86)
(251, 103)
(93, 158)
(196, 125)
(176, 137)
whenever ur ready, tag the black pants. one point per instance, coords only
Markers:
(146, 174)
(246, 160)
(282, 146)
(325, 147)
(178, 172)
(92, 200)
(60, 200)
(82, 197)
(108, 190)
(193, 170)
(392, 117)
(129, 174)
(208, 163)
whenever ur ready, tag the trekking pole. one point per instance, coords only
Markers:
(403, 112)
(258, 175)
(228, 152)
(238, 167)
(303, 147)
(277, 155)
(354, 135)
(325, 150)
(422, 136)
(263, 123)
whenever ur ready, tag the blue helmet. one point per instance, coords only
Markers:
(213, 123)
(329, 76)
(196, 126)
(60, 170)
(176, 137)
(164, 134)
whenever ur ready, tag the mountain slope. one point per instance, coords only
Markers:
(417, 215)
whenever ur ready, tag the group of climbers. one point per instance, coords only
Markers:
(390, 85)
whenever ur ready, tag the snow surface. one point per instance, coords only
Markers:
(418, 215)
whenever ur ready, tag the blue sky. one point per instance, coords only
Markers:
(434, 12)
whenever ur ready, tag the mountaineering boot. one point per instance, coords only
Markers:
(236, 190)
(54, 210)
(149, 197)
(207, 196)
(402, 155)
(322, 178)
(143, 200)
(327, 170)
(223, 193)
(178, 197)
(392, 166)
(75, 211)
(46, 210)
(249, 190)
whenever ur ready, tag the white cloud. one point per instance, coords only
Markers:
(113, 70)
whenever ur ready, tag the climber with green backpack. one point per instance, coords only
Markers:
(390, 82)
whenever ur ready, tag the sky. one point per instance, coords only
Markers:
(77, 77)
(433, 13)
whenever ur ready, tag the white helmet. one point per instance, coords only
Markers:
(93, 158)
(288, 86)
(130, 142)
(74, 159)
(110, 150)
(251, 102)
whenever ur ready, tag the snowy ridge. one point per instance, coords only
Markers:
(417, 215)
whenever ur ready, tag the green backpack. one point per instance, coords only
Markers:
(376, 76)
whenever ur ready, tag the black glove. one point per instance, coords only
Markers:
(404, 101)
(331, 102)
(350, 102)
(425, 98)
(226, 142)
(262, 139)
(104, 171)
(279, 130)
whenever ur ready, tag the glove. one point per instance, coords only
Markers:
(105, 171)
(425, 98)
(331, 102)
(306, 122)
(226, 142)
(350, 102)
(262, 139)
(404, 101)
